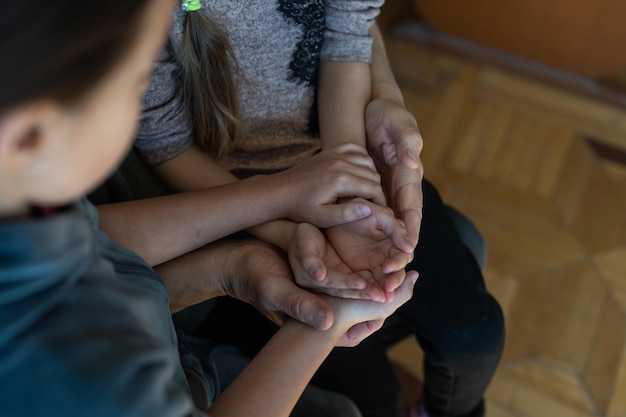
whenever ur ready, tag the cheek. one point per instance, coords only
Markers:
(118, 131)
(105, 140)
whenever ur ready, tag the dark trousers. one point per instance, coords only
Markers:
(458, 324)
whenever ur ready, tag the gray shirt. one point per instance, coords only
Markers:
(277, 44)
(85, 325)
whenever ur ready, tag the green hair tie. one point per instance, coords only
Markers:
(190, 5)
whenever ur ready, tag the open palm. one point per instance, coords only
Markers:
(318, 267)
(377, 248)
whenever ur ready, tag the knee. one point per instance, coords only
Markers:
(476, 344)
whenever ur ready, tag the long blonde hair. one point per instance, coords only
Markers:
(208, 84)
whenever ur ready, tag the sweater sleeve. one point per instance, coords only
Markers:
(165, 128)
(346, 37)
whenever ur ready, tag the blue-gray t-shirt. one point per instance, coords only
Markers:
(85, 327)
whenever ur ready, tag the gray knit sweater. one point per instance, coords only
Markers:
(277, 44)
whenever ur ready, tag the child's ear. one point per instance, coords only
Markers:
(22, 133)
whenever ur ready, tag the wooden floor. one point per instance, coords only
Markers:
(542, 173)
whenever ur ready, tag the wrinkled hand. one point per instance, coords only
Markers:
(263, 279)
(316, 266)
(361, 318)
(376, 247)
(313, 186)
(394, 141)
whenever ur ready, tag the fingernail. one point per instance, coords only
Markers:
(409, 246)
(363, 210)
(315, 274)
(414, 278)
(319, 318)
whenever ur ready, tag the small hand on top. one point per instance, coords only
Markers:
(361, 259)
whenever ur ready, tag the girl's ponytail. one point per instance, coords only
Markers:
(208, 85)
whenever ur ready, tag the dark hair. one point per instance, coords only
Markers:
(59, 49)
(208, 85)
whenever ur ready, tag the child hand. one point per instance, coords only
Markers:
(312, 188)
(317, 267)
(377, 246)
(358, 319)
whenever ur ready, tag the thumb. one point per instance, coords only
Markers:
(395, 230)
(409, 144)
(345, 212)
(305, 307)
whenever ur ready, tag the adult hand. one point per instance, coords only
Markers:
(312, 188)
(316, 266)
(394, 142)
(377, 247)
(361, 318)
(262, 278)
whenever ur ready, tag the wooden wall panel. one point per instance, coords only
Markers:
(583, 36)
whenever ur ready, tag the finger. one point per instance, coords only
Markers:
(370, 293)
(350, 147)
(336, 214)
(360, 331)
(343, 281)
(308, 260)
(412, 219)
(357, 165)
(397, 262)
(405, 290)
(410, 153)
(408, 201)
(358, 159)
(393, 281)
(409, 143)
(394, 229)
(304, 306)
(313, 266)
(345, 286)
(356, 180)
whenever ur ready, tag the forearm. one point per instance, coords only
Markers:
(384, 84)
(275, 379)
(194, 170)
(343, 92)
(160, 229)
(277, 233)
(197, 276)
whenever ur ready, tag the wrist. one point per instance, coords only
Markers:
(328, 142)
(235, 261)
(278, 233)
(328, 337)
(388, 91)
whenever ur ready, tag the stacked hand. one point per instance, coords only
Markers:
(362, 256)
(365, 258)
(377, 248)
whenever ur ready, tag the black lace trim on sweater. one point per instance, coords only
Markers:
(309, 14)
